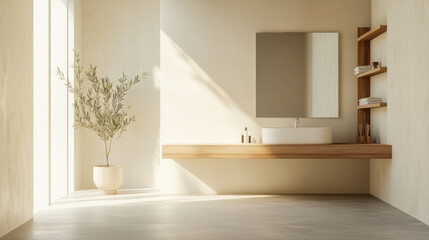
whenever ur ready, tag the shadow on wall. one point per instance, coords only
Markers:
(263, 176)
(3, 95)
(380, 176)
(195, 109)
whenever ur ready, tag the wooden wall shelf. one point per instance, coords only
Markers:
(364, 36)
(373, 33)
(373, 72)
(277, 151)
(377, 105)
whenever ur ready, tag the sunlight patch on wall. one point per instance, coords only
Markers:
(189, 92)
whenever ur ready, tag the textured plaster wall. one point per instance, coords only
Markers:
(403, 180)
(16, 114)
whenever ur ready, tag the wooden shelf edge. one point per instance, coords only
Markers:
(377, 105)
(373, 72)
(277, 151)
(373, 33)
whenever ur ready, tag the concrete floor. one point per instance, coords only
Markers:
(143, 214)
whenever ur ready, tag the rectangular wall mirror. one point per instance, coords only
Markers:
(297, 74)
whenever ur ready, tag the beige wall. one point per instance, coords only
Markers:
(403, 181)
(208, 93)
(123, 36)
(16, 115)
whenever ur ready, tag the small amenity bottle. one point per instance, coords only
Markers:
(246, 135)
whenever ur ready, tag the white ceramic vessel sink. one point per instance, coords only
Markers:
(316, 135)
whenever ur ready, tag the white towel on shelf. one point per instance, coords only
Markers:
(369, 99)
(365, 103)
(363, 69)
(368, 103)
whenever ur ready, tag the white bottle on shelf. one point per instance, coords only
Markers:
(246, 135)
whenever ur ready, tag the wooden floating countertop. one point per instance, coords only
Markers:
(277, 151)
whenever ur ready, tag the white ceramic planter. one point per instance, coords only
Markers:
(108, 179)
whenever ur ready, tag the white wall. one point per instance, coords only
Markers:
(208, 93)
(123, 36)
(41, 95)
(16, 115)
(53, 35)
(58, 100)
(403, 181)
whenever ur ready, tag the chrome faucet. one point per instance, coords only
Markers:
(296, 122)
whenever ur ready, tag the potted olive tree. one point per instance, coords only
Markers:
(98, 107)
